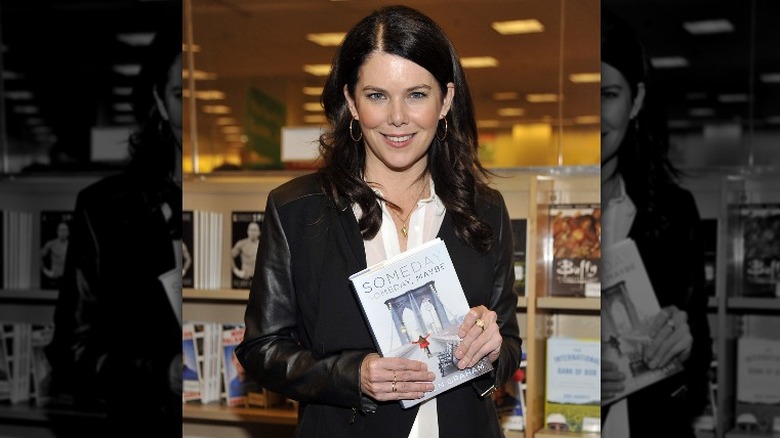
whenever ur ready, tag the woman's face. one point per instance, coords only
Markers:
(173, 98)
(398, 105)
(617, 110)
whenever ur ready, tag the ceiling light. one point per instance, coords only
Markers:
(510, 112)
(585, 78)
(19, 95)
(216, 109)
(587, 120)
(312, 91)
(314, 118)
(541, 97)
(506, 95)
(770, 78)
(136, 39)
(733, 98)
(122, 91)
(123, 107)
(313, 106)
(186, 47)
(127, 69)
(514, 27)
(327, 39)
(231, 130)
(206, 94)
(706, 27)
(487, 123)
(26, 109)
(32, 121)
(479, 62)
(123, 119)
(41, 129)
(701, 112)
(198, 75)
(669, 62)
(317, 69)
(234, 137)
(222, 121)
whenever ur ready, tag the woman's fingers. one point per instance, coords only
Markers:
(480, 336)
(393, 378)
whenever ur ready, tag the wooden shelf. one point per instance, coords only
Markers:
(545, 433)
(741, 434)
(42, 295)
(234, 414)
(522, 302)
(568, 303)
(31, 413)
(215, 294)
(756, 303)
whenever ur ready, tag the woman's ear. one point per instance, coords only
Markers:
(160, 104)
(448, 98)
(639, 100)
(350, 102)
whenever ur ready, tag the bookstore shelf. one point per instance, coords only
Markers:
(568, 303)
(232, 414)
(227, 295)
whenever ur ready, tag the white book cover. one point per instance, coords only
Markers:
(414, 304)
(190, 369)
(758, 376)
(628, 306)
(573, 384)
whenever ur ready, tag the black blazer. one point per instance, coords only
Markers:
(306, 336)
(674, 258)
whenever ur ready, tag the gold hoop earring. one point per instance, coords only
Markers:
(351, 135)
(443, 137)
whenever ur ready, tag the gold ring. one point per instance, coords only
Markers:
(395, 388)
(481, 324)
(670, 324)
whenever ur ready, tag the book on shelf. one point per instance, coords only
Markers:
(191, 370)
(575, 246)
(245, 235)
(757, 407)
(41, 336)
(237, 384)
(509, 400)
(5, 367)
(55, 232)
(17, 249)
(17, 338)
(573, 385)
(761, 255)
(187, 248)
(207, 249)
(413, 304)
(628, 307)
(519, 239)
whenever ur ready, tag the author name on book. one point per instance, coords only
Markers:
(404, 276)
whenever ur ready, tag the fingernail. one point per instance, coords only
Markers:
(462, 364)
(458, 354)
(431, 376)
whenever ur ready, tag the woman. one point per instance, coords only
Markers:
(400, 167)
(643, 201)
(117, 342)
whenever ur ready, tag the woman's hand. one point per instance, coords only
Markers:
(671, 337)
(612, 379)
(394, 378)
(480, 337)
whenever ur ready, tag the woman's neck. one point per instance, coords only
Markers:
(610, 182)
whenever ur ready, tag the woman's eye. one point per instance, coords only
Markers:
(375, 96)
(608, 94)
(417, 95)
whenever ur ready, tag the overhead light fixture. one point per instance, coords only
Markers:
(479, 62)
(40, 129)
(707, 27)
(186, 48)
(122, 91)
(123, 107)
(216, 109)
(19, 95)
(317, 69)
(234, 137)
(701, 112)
(231, 130)
(515, 27)
(669, 62)
(585, 78)
(541, 97)
(123, 119)
(733, 98)
(587, 120)
(199, 75)
(326, 39)
(26, 109)
(313, 107)
(506, 95)
(205, 94)
(127, 69)
(315, 118)
(770, 78)
(510, 112)
(222, 121)
(487, 123)
(136, 39)
(313, 91)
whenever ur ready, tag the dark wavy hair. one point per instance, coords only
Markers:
(643, 155)
(152, 145)
(453, 163)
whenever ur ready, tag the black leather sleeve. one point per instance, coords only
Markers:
(271, 352)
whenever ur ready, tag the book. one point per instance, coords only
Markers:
(245, 235)
(761, 254)
(575, 247)
(237, 385)
(414, 304)
(573, 385)
(190, 374)
(41, 369)
(519, 238)
(509, 400)
(187, 249)
(628, 305)
(55, 231)
(757, 407)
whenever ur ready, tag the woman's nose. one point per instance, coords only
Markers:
(397, 116)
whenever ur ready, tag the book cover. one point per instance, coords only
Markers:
(519, 238)
(573, 385)
(509, 400)
(576, 250)
(628, 305)
(758, 373)
(41, 336)
(55, 231)
(187, 249)
(237, 385)
(5, 367)
(414, 304)
(190, 373)
(761, 266)
(245, 235)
